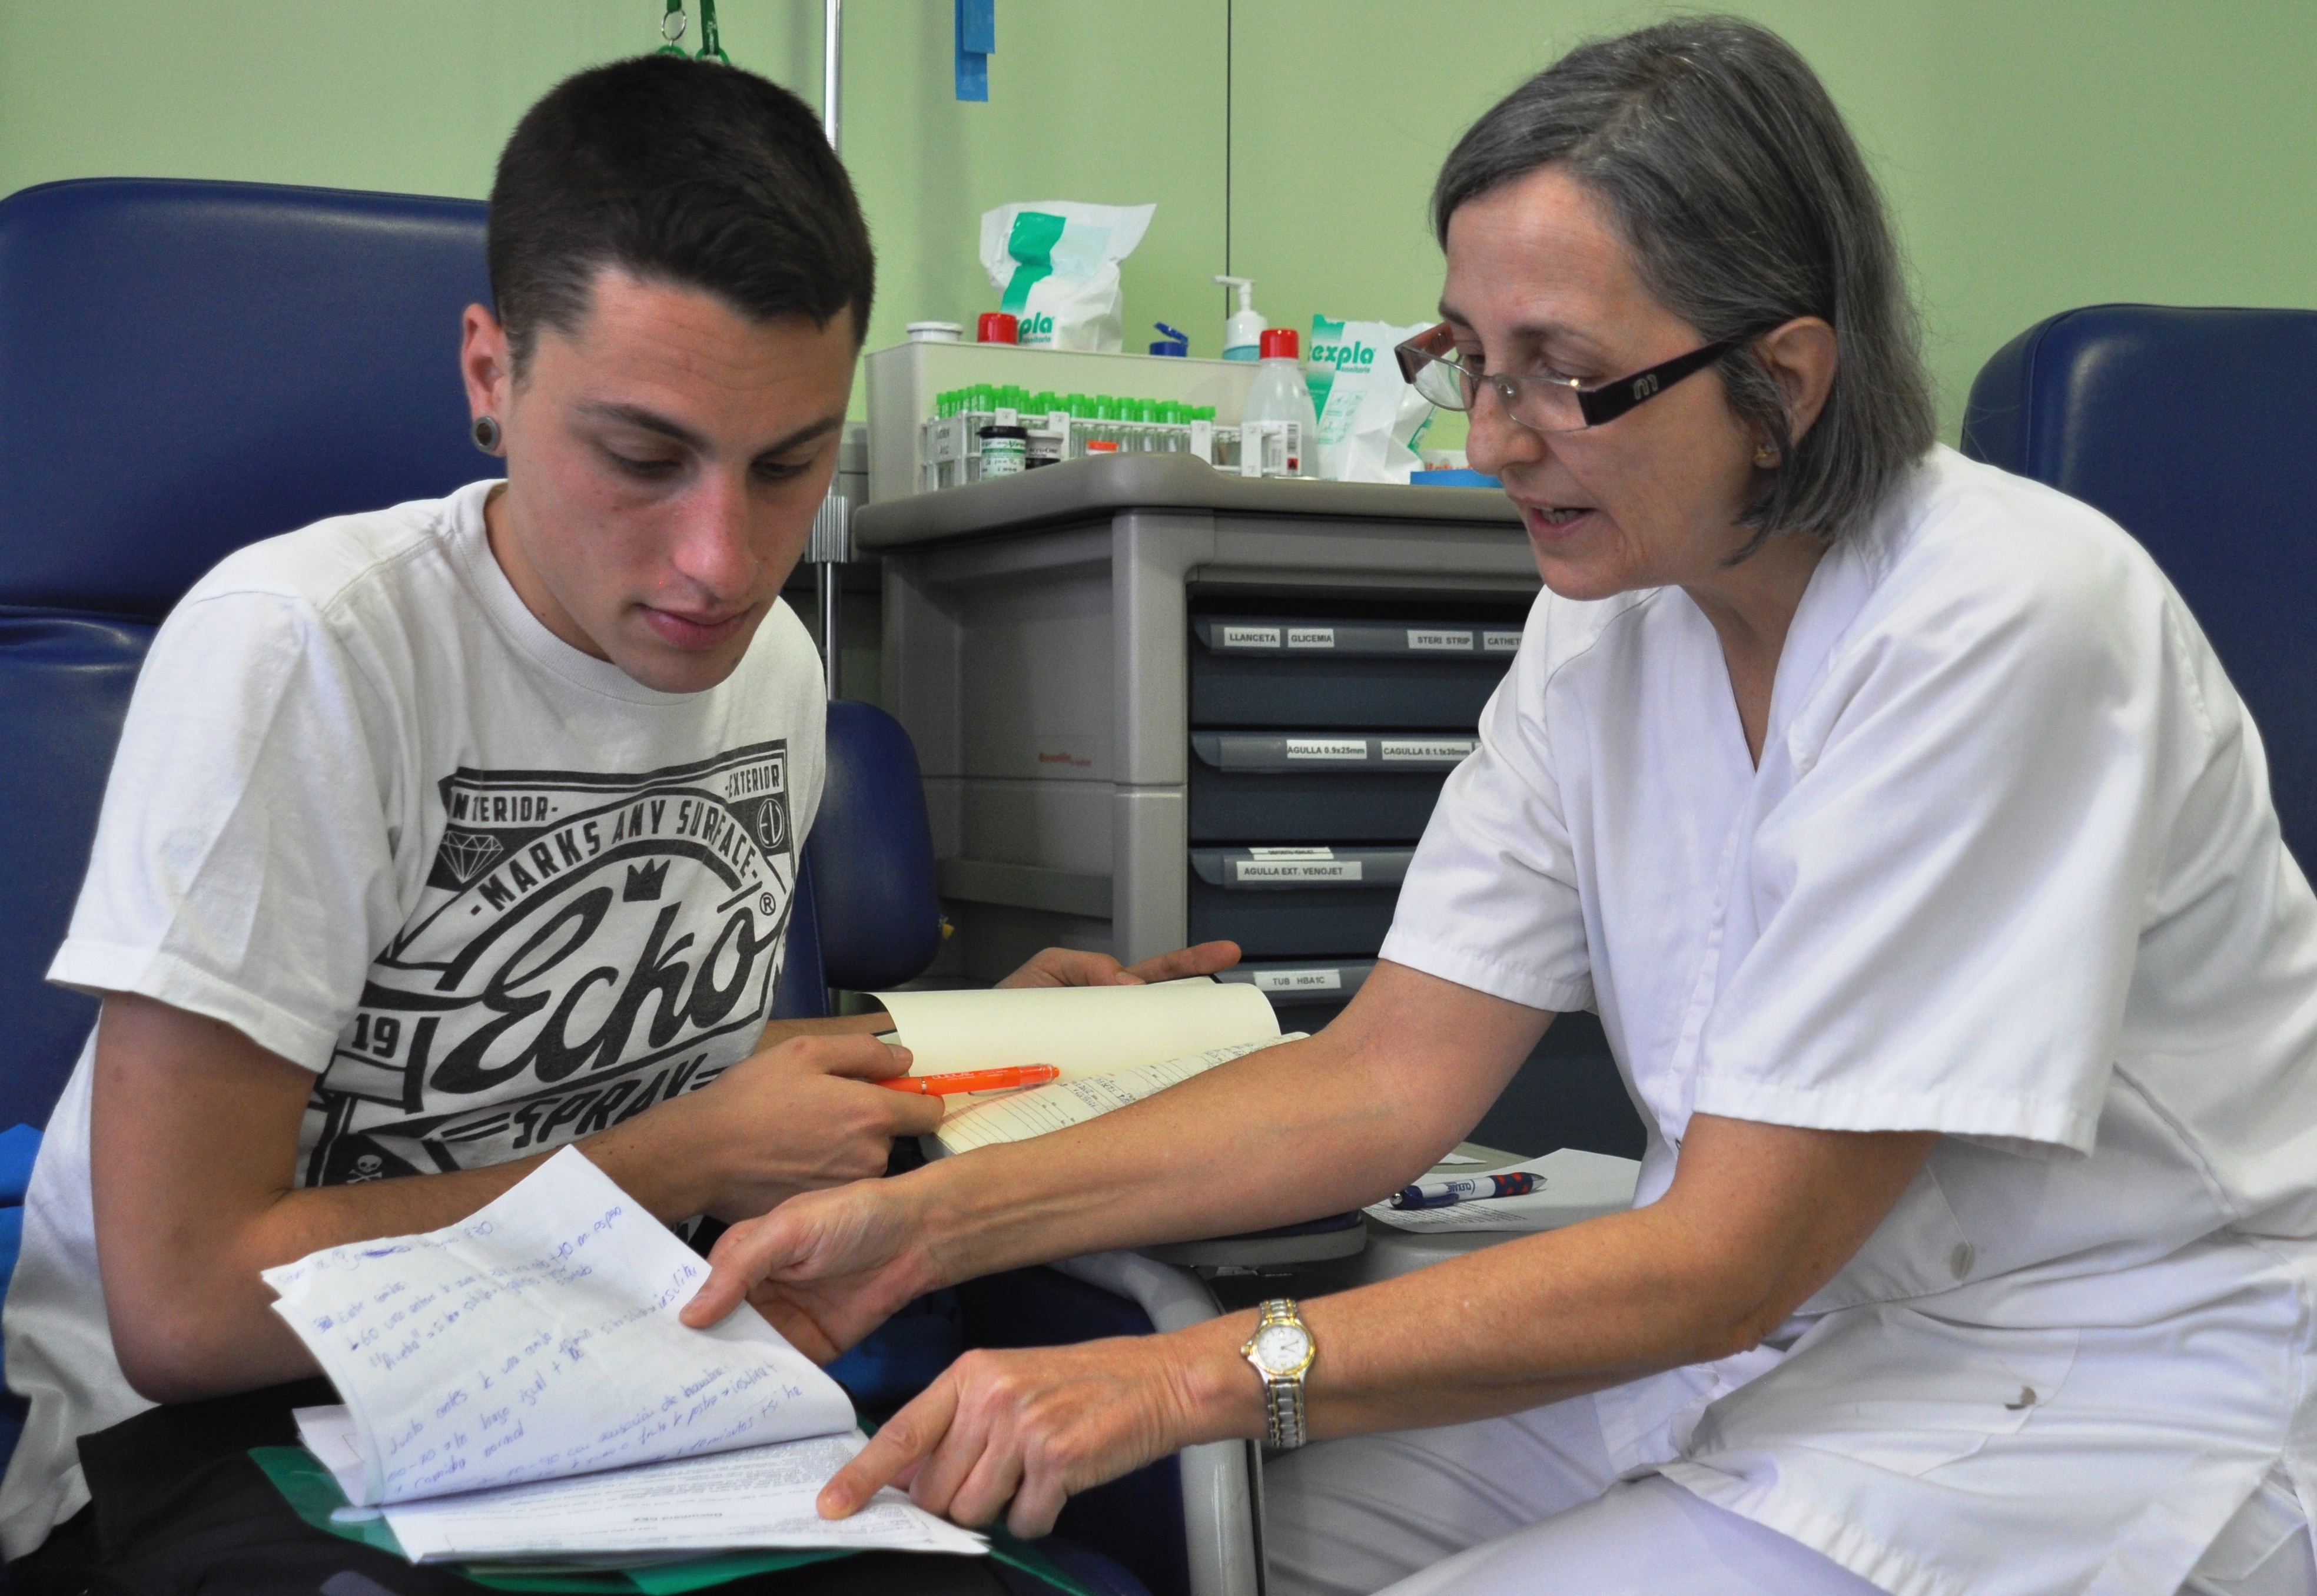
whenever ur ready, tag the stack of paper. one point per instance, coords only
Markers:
(518, 1384)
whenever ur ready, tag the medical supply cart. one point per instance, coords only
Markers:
(1155, 701)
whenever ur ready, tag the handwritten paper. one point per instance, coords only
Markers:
(759, 1497)
(1019, 1115)
(539, 1339)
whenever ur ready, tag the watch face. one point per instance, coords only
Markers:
(1280, 1349)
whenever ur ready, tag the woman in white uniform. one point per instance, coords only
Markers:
(1897, 819)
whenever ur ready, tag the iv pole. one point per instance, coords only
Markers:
(832, 527)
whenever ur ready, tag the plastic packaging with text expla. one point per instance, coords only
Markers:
(1055, 262)
(1370, 420)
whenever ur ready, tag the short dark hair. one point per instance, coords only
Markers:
(685, 172)
(1746, 204)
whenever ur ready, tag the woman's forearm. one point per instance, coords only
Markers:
(1756, 1221)
(1282, 1135)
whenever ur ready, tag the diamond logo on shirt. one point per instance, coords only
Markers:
(467, 854)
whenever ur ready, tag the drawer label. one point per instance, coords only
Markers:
(1428, 747)
(1291, 853)
(1311, 637)
(1438, 641)
(1250, 637)
(1298, 981)
(1263, 870)
(1500, 643)
(1328, 748)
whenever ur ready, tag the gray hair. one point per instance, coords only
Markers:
(1746, 203)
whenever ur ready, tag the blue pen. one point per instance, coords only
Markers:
(1473, 1188)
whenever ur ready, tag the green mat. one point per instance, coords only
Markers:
(313, 1494)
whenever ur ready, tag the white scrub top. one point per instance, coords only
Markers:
(2007, 870)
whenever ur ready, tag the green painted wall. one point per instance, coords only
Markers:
(2039, 155)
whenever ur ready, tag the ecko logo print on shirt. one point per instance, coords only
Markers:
(585, 946)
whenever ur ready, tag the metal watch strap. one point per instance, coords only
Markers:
(1282, 1395)
(1283, 1414)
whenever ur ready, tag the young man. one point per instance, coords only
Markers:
(443, 835)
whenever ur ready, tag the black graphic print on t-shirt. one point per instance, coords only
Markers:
(586, 945)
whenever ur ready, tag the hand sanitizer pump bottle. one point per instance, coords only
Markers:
(1279, 433)
(1243, 330)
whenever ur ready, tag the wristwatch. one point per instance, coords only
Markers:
(1281, 1351)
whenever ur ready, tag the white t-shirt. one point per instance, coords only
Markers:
(2007, 870)
(497, 894)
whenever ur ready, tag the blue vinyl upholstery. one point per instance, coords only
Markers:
(185, 368)
(64, 688)
(2196, 429)
(871, 854)
(188, 367)
(866, 916)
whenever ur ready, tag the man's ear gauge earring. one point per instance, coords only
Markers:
(487, 434)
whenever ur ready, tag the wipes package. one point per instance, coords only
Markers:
(1369, 419)
(1056, 263)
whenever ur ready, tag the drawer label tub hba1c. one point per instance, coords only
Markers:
(1298, 981)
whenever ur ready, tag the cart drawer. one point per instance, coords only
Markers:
(1283, 901)
(1345, 672)
(1290, 788)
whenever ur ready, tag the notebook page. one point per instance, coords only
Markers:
(539, 1338)
(1019, 1115)
(756, 1498)
(762, 1496)
(1086, 1030)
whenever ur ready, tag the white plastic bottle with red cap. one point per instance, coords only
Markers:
(1278, 430)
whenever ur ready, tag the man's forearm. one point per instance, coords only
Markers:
(236, 1342)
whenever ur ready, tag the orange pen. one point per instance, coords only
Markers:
(964, 1080)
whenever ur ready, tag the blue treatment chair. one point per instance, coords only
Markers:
(2193, 429)
(187, 367)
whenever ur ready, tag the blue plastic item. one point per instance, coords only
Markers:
(19, 1146)
(1175, 343)
(1452, 479)
(977, 41)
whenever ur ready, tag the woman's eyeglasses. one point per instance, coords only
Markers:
(1431, 363)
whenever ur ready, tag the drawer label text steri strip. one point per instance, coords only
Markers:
(1439, 642)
